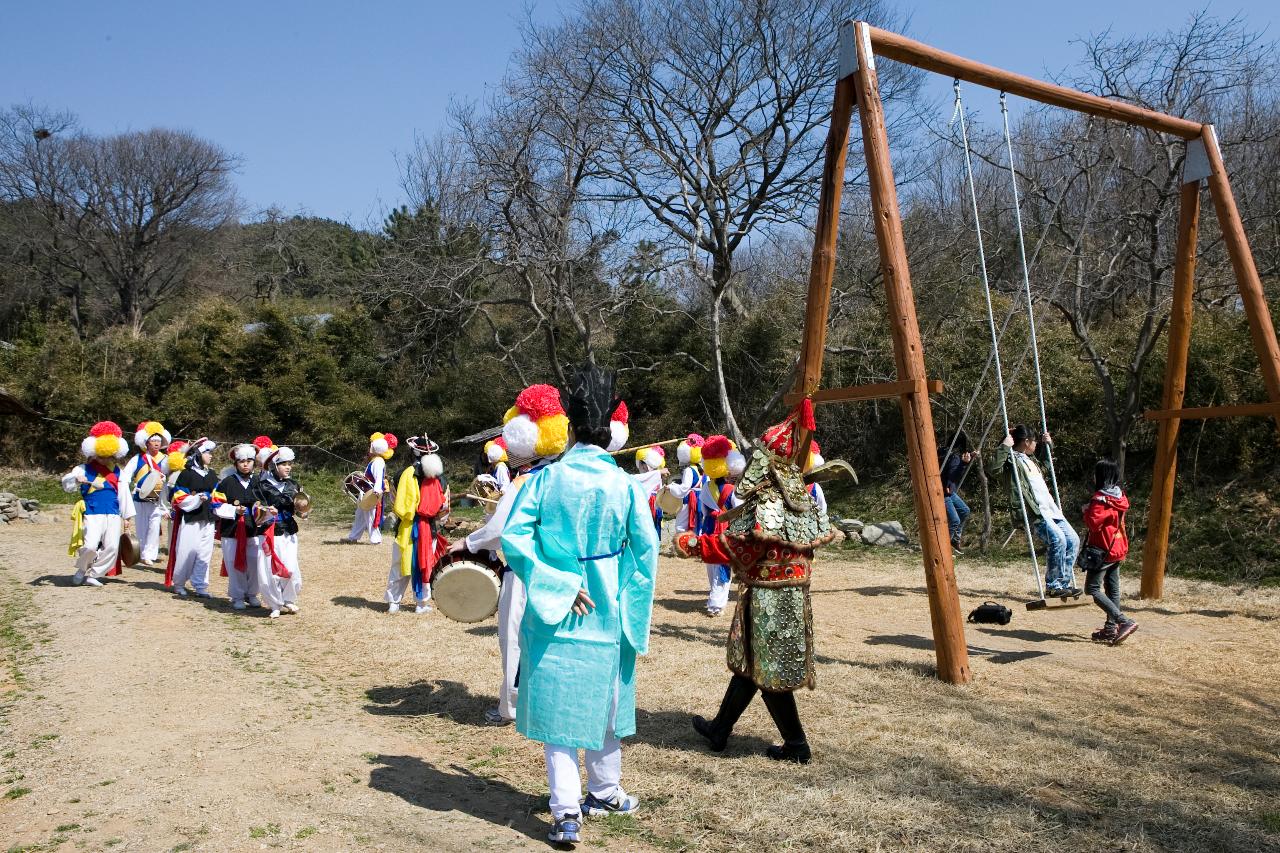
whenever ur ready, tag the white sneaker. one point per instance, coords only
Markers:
(291, 608)
(393, 608)
(274, 614)
(423, 608)
(238, 605)
(93, 582)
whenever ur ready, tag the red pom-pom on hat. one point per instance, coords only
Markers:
(716, 447)
(621, 414)
(501, 442)
(106, 428)
(392, 441)
(176, 445)
(695, 440)
(262, 442)
(813, 448)
(539, 401)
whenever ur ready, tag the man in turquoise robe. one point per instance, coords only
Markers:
(581, 539)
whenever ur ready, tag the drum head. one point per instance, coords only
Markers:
(668, 503)
(149, 485)
(369, 500)
(466, 591)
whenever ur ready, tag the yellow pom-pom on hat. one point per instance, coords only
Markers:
(146, 430)
(536, 426)
(105, 441)
(715, 456)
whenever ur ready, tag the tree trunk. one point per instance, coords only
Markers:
(726, 408)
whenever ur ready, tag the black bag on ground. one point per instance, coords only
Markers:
(991, 613)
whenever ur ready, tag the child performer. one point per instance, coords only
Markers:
(689, 454)
(248, 567)
(535, 428)
(651, 472)
(815, 489)
(193, 498)
(277, 489)
(715, 495)
(495, 452)
(146, 482)
(105, 504)
(382, 446)
(581, 538)
(1106, 546)
(421, 504)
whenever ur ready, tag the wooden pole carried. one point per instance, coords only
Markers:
(1155, 548)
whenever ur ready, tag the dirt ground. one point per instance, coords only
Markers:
(136, 721)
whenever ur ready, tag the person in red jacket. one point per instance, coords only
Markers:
(1105, 548)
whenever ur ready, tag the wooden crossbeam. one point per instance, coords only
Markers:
(874, 391)
(1206, 412)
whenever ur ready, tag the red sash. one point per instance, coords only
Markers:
(278, 568)
(430, 504)
(112, 478)
(176, 524)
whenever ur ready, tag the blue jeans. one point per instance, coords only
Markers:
(957, 513)
(1063, 545)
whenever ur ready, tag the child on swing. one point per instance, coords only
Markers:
(1106, 545)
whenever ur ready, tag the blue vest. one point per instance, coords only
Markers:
(103, 501)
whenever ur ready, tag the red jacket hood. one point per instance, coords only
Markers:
(1120, 503)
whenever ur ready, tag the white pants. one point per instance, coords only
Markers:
(511, 602)
(101, 544)
(193, 553)
(604, 770)
(287, 551)
(256, 580)
(682, 517)
(363, 524)
(397, 583)
(718, 590)
(147, 523)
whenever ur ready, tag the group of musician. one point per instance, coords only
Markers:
(579, 537)
(252, 506)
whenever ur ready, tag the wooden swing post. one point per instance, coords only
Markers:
(858, 85)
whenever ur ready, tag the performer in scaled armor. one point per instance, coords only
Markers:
(769, 543)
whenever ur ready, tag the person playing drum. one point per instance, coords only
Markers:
(369, 520)
(421, 504)
(537, 429)
(146, 482)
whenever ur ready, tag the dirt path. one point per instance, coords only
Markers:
(142, 722)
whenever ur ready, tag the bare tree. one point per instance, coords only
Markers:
(122, 215)
(716, 114)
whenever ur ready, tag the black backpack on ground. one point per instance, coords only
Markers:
(991, 613)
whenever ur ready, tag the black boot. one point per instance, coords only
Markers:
(736, 699)
(782, 707)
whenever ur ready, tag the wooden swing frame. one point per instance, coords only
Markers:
(857, 86)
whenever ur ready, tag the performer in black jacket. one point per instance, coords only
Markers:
(276, 488)
(191, 528)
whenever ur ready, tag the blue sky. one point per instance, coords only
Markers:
(317, 97)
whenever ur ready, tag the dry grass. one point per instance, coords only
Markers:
(1168, 742)
(1059, 744)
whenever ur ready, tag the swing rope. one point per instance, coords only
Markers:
(958, 115)
(1026, 284)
